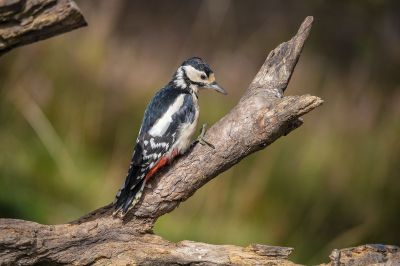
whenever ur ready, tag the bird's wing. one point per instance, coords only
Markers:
(166, 113)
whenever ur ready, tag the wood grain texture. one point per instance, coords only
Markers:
(26, 21)
(372, 254)
(261, 116)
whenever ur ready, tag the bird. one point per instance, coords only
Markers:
(167, 128)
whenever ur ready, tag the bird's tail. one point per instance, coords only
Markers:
(130, 193)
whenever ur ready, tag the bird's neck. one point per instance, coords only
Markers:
(181, 81)
(194, 88)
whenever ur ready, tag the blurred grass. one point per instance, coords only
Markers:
(71, 106)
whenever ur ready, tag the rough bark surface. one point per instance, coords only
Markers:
(261, 116)
(26, 21)
(373, 254)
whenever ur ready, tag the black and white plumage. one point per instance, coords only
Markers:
(168, 125)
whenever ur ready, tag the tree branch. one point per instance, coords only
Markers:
(261, 116)
(373, 254)
(27, 21)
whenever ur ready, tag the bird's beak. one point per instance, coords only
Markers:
(214, 86)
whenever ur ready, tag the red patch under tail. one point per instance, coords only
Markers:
(161, 163)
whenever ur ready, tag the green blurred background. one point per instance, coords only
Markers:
(71, 106)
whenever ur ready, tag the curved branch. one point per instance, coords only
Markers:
(261, 116)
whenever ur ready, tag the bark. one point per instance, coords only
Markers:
(373, 254)
(261, 116)
(26, 21)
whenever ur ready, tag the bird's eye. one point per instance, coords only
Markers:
(203, 76)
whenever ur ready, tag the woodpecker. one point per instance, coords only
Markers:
(167, 128)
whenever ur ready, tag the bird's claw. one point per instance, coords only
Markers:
(200, 138)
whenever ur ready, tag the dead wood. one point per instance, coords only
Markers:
(261, 116)
(26, 21)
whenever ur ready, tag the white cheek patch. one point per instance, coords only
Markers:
(194, 74)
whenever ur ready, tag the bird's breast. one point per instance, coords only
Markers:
(187, 130)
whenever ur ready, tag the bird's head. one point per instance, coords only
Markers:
(195, 74)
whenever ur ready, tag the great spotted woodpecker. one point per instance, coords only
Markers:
(168, 125)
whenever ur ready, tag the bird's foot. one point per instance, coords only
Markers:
(200, 139)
